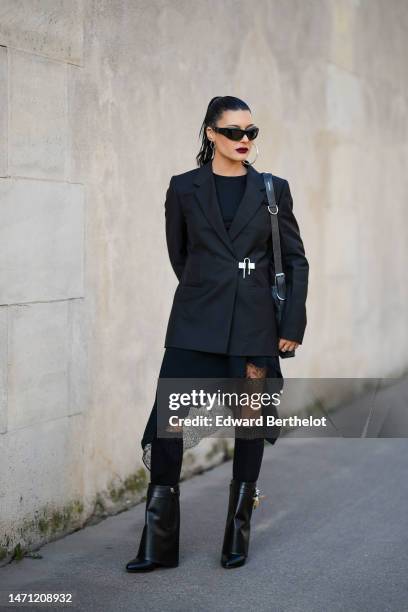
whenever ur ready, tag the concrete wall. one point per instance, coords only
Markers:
(101, 102)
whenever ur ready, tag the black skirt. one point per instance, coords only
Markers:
(187, 363)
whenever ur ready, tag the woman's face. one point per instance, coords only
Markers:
(226, 147)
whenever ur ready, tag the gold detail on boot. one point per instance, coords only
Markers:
(257, 498)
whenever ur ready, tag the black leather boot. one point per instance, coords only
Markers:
(243, 498)
(159, 545)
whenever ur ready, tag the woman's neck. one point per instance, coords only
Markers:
(225, 167)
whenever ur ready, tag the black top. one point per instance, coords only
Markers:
(230, 190)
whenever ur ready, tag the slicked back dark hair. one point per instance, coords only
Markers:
(215, 108)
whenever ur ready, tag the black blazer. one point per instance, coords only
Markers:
(215, 308)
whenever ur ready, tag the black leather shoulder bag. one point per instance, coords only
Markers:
(279, 285)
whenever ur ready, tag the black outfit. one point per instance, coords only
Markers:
(167, 453)
(216, 308)
(219, 321)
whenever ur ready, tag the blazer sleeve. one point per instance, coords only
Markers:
(296, 268)
(176, 230)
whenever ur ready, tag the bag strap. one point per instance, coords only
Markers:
(280, 281)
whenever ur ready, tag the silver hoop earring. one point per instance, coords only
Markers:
(248, 163)
(213, 149)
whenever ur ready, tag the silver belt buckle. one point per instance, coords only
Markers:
(245, 265)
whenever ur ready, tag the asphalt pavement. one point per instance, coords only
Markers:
(331, 534)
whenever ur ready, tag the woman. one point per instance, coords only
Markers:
(222, 322)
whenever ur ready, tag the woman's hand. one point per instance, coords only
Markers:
(287, 345)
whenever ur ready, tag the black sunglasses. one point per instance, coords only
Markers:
(237, 133)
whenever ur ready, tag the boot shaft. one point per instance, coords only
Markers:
(238, 523)
(161, 532)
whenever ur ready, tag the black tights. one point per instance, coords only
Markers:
(167, 458)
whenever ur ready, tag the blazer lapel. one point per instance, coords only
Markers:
(252, 199)
(206, 195)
